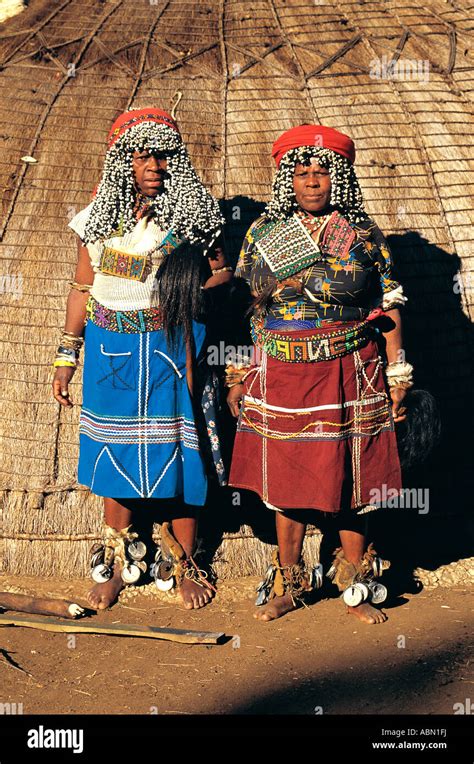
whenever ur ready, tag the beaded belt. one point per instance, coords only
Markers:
(126, 321)
(323, 346)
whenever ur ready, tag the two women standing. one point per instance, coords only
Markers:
(317, 405)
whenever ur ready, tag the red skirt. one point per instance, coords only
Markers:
(317, 435)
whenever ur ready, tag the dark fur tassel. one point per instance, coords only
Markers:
(262, 303)
(420, 432)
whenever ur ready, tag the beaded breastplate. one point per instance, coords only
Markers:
(115, 261)
(288, 247)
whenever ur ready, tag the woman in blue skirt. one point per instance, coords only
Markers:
(136, 305)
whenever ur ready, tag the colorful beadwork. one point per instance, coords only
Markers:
(338, 236)
(124, 264)
(288, 247)
(335, 288)
(170, 242)
(125, 321)
(321, 347)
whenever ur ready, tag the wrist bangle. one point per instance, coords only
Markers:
(400, 374)
(71, 341)
(221, 270)
(235, 375)
(62, 362)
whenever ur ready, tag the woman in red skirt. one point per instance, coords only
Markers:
(317, 406)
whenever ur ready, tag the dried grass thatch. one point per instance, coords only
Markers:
(247, 71)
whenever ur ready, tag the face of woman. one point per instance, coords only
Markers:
(149, 170)
(312, 187)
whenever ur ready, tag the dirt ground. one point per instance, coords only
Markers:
(315, 660)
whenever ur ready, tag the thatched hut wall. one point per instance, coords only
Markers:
(247, 71)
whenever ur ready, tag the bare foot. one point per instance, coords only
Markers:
(367, 614)
(102, 596)
(193, 595)
(277, 607)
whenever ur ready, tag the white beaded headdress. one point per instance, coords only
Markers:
(346, 194)
(185, 206)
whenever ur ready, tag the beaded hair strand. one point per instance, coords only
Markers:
(185, 205)
(346, 194)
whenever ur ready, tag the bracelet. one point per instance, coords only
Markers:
(80, 287)
(69, 340)
(400, 374)
(393, 298)
(235, 375)
(220, 270)
(62, 362)
(66, 351)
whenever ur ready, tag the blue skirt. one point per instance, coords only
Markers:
(138, 432)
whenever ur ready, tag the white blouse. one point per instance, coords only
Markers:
(118, 292)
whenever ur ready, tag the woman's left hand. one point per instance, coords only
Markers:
(397, 395)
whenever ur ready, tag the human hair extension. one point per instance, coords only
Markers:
(418, 435)
(346, 194)
(178, 281)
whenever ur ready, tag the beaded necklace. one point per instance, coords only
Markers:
(142, 205)
(312, 222)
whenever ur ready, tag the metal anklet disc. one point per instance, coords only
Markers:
(378, 593)
(130, 574)
(164, 569)
(98, 553)
(136, 550)
(101, 573)
(377, 566)
(164, 586)
(262, 598)
(355, 594)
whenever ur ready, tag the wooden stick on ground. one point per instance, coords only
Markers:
(25, 603)
(114, 630)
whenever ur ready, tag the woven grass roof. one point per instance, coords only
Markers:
(247, 71)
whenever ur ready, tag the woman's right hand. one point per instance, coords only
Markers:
(234, 397)
(61, 379)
